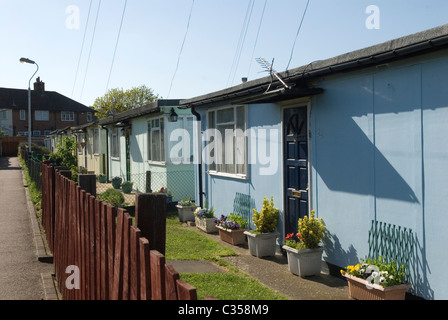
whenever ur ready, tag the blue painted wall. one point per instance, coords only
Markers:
(379, 152)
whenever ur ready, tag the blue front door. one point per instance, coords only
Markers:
(295, 137)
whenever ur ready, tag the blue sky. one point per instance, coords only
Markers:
(153, 31)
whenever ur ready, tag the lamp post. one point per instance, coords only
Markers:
(26, 60)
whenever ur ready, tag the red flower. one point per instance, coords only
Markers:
(289, 236)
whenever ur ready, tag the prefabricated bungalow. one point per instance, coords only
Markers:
(139, 145)
(361, 138)
(91, 141)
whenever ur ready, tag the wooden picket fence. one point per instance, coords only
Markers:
(116, 259)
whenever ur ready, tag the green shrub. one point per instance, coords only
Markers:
(113, 197)
(266, 219)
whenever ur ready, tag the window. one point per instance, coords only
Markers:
(36, 133)
(67, 116)
(3, 115)
(89, 117)
(156, 140)
(42, 115)
(22, 115)
(230, 154)
(47, 132)
(115, 143)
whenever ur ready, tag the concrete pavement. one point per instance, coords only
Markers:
(22, 275)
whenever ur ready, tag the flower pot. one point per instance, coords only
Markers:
(207, 225)
(263, 244)
(186, 213)
(234, 237)
(102, 179)
(359, 289)
(304, 263)
(127, 188)
(116, 183)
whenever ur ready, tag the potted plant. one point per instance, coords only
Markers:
(102, 178)
(168, 193)
(185, 209)
(205, 220)
(303, 249)
(374, 279)
(262, 241)
(231, 229)
(127, 187)
(116, 182)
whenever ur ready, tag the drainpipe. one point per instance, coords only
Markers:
(107, 149)
(201, 192)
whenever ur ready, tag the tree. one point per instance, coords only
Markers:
(118, 100)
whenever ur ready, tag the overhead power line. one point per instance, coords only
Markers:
(82, 47)
(90, 51)
(116, 44)
(258, 34)
(242, 39)
(298, 32)
(181, 49)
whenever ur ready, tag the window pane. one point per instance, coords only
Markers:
(225, 116)
(155, 146)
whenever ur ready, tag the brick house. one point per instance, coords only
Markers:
(50, 111)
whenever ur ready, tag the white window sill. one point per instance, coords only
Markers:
(156, 163)
(228, 175)
(115, 159)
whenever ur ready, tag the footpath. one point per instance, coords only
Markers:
(22, 275)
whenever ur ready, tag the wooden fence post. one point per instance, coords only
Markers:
(87, 182)
(150, 218)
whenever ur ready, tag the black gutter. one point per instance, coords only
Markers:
(201, 191)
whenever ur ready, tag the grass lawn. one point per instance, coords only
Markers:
(231, 284)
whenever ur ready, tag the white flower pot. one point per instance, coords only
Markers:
(186, 213)
(206, 224)
(263, 244)
(304, 263)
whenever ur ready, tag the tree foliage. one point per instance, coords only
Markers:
(119, 100)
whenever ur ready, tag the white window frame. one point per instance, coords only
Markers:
(42, 115)
(67, 116)
(153, 127)
(239, 171)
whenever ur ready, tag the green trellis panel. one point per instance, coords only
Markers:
(392, 243)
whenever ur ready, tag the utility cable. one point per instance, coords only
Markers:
(241, 41)
(116, 44)
(90, 51)
(256, 39)
(82, 47)
(297, 35)
(181, 49)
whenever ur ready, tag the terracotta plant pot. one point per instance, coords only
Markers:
(207, 225)
(359, 289)
(304, 263)
(263, 244)
(234, 237)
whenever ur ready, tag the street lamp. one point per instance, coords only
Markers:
(26, 60)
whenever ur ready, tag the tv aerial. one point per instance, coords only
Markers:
(272, 72)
